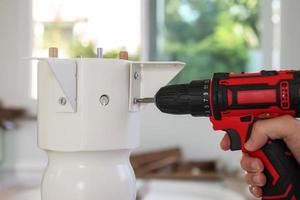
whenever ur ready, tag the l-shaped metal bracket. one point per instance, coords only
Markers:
(146, 78)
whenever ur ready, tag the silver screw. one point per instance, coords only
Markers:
(99, 52)
(104, 100)
(136, 75)
(62, 101)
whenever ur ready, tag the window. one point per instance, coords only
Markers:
(209, 35)
(77, 28)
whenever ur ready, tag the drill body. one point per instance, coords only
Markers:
(234, 102)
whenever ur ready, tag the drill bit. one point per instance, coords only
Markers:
(144, 100)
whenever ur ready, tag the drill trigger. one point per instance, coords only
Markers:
(235, 140)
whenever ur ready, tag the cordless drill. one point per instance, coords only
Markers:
(234, 102)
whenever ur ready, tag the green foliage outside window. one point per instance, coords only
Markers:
(209, 35)
(60, 34)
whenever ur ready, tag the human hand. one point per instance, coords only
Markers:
(286, 128)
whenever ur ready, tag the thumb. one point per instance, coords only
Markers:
(276, 128)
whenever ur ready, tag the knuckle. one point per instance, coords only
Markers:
(264, 179)
(260, 165)
(288, 118)
(243, 162)
(246, 164)
(289, 121)
(292, 124)
(258, 127)
(248, 179)
(251, 164)
(255, 179)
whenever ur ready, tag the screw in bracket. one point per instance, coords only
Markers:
(99, 52)
(53, 52)
(136, 75)
(62, 101)
(104, 100)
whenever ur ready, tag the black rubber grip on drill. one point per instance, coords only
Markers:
(282, 172)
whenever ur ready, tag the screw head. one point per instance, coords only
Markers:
(123, 55)
(99, 52)
(53, 52)
(104, 100)
(62, 101)
(136, 75)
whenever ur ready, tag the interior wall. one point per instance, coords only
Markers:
(20, 145)
(290, 34)
(266, 31)
(15, 40)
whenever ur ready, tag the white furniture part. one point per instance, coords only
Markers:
(88, 124)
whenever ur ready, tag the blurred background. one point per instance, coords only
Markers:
(208, 35)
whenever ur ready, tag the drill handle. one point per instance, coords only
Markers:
(281, 169)
(280, 166)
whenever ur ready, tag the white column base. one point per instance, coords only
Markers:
(99, 175)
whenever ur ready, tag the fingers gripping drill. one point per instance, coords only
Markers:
(234, 102)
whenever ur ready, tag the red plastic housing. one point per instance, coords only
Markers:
(239, 100)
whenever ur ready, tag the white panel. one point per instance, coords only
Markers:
(15, 40)
(290, 34)
(266, 32)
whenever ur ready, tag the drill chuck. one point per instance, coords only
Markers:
(190, 98)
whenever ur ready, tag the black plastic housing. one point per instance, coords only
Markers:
(190, 98)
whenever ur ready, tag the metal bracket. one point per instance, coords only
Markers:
(135, 85)
(65, 72)
(146, 78)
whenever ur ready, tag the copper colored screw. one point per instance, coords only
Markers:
(123, 55)
(53, 52)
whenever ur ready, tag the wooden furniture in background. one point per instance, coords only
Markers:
(168, 164)
(10, 114)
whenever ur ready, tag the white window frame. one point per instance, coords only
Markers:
(149, 29)
(16, 40)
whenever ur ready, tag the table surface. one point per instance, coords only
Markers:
(12, 184)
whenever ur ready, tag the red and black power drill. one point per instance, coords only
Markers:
(234, 102)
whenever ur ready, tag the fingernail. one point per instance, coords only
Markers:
(256, 192)
(251, 188)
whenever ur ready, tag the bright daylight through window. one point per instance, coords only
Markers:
(78, 30)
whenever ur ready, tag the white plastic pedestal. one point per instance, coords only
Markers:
(88, 124)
